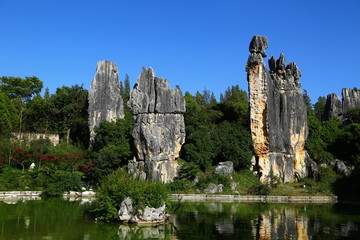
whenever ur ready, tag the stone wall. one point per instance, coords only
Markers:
(29, 137)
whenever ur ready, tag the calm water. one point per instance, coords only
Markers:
(61, 219)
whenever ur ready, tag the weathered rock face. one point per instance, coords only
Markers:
(105, 102)
(225, 168)
(127, 213)
(333, 107)
(159, 130)
(277, 115)
(350, 99)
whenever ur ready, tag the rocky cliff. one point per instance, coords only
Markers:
(105, 102)
(335, 107)
(277, 115)
(159, 130)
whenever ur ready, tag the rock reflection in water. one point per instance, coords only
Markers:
(133, 231)
(280, 223)
(209, 220)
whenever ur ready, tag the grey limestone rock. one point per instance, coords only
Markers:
(333, 107)
(336, 108)
(350, 99)
(105, 102)
(277, 115)
(225, 168)
(159, 130)
(258, 45)
(127, 213)
(342, 168)
(213, 188)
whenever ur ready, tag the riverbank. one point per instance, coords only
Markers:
(14, 196)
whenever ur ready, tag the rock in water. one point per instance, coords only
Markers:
(105, 102)
(277, 115)
(159, 130)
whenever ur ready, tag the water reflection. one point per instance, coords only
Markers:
(265, 221)
(60, 219)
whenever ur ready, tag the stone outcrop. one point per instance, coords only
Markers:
(127, 213)
(213, 188)
(277, 115)
(105, 102)
(335, 107)
(225, 168)
(159, 130)
(350, 99)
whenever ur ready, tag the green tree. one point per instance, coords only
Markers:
(70, 113)
(8, 115)
(39, 115)
(319, 108)
(235, 105)
(233, 143)
(113, 145)
(20, 90)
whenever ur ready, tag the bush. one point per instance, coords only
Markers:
(245, 179)
(119, 185)
(327, 179)
(189, 171)
(56, 183)
(260, 189)
(180, 185)
(14, 179)
(205, 180)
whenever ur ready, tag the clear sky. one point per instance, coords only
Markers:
(197, 44)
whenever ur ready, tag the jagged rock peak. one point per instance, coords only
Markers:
(277, 116)
(258, 45)
(333, 107)
(154, 95)
(350, 99)
(105, 102)
(290, 73)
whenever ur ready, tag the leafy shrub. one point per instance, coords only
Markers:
(327, 179)
(15, 179)
(180, 185)
(205, 180)
(55, 183)
(260, 189)
(245, 179)
(119, 185)
(189, 170)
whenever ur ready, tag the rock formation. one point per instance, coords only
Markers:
(105, 102)
(336, 108)
(333, 107)
(128, 213)
(159, 130)
(277, 115)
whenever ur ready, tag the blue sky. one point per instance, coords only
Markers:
(196, 44)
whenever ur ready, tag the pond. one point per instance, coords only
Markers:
(62, 219)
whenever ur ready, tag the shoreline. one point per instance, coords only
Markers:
(254, 198)
(35, 195)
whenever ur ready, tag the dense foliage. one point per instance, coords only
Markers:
(216, 131)
(118, 185)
